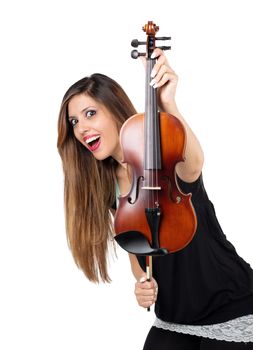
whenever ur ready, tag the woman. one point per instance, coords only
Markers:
(203, 294)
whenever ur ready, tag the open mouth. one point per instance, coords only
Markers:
(93, 143)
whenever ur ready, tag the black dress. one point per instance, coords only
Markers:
(207, 282)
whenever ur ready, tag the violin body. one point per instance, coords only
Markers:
(177, 223)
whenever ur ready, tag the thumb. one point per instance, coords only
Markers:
(143, 279)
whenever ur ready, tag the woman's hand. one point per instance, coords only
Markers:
(165, 79)
(146, 292)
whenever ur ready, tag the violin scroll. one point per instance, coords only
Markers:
(150, 29)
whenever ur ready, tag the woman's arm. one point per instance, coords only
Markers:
(190, 169)
(136, 269)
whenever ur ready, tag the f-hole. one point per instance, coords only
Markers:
(133, 200)
(178, 198)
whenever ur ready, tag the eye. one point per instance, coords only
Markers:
(73, 121)
(90, 113)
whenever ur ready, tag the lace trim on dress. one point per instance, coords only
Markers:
(237, 330)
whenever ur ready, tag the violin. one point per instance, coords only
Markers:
(155, 218)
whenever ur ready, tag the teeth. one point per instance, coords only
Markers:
(93, 138)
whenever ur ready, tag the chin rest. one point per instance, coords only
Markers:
(136, 243)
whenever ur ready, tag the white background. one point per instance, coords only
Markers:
(46, 303)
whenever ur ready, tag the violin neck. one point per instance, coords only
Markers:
(152, 156)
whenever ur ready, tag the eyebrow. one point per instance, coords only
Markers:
(83, 110)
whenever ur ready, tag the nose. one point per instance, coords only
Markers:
(82, 126)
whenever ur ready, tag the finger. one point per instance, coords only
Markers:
(145, 298)
(163, 69)
(155, 283)
(145, 302)
(161, 60)
(145, 292)
(156, 291)
(165, 78)
(145, 285)
(157, 53)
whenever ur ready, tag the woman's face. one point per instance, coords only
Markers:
(94, 127)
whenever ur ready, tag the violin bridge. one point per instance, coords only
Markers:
(151, 188)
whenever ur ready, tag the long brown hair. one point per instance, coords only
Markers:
(89, 184)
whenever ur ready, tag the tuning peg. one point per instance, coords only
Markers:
(164, 47)
(135, 54)
(164, 38)
(136, 43)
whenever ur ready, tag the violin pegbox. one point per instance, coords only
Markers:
(150, 29)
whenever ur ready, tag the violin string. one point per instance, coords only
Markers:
(157, 141)
(147, 119)
(152, 132)
(147, 126)
(153, 135)
(156, 121)
(148, 130)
